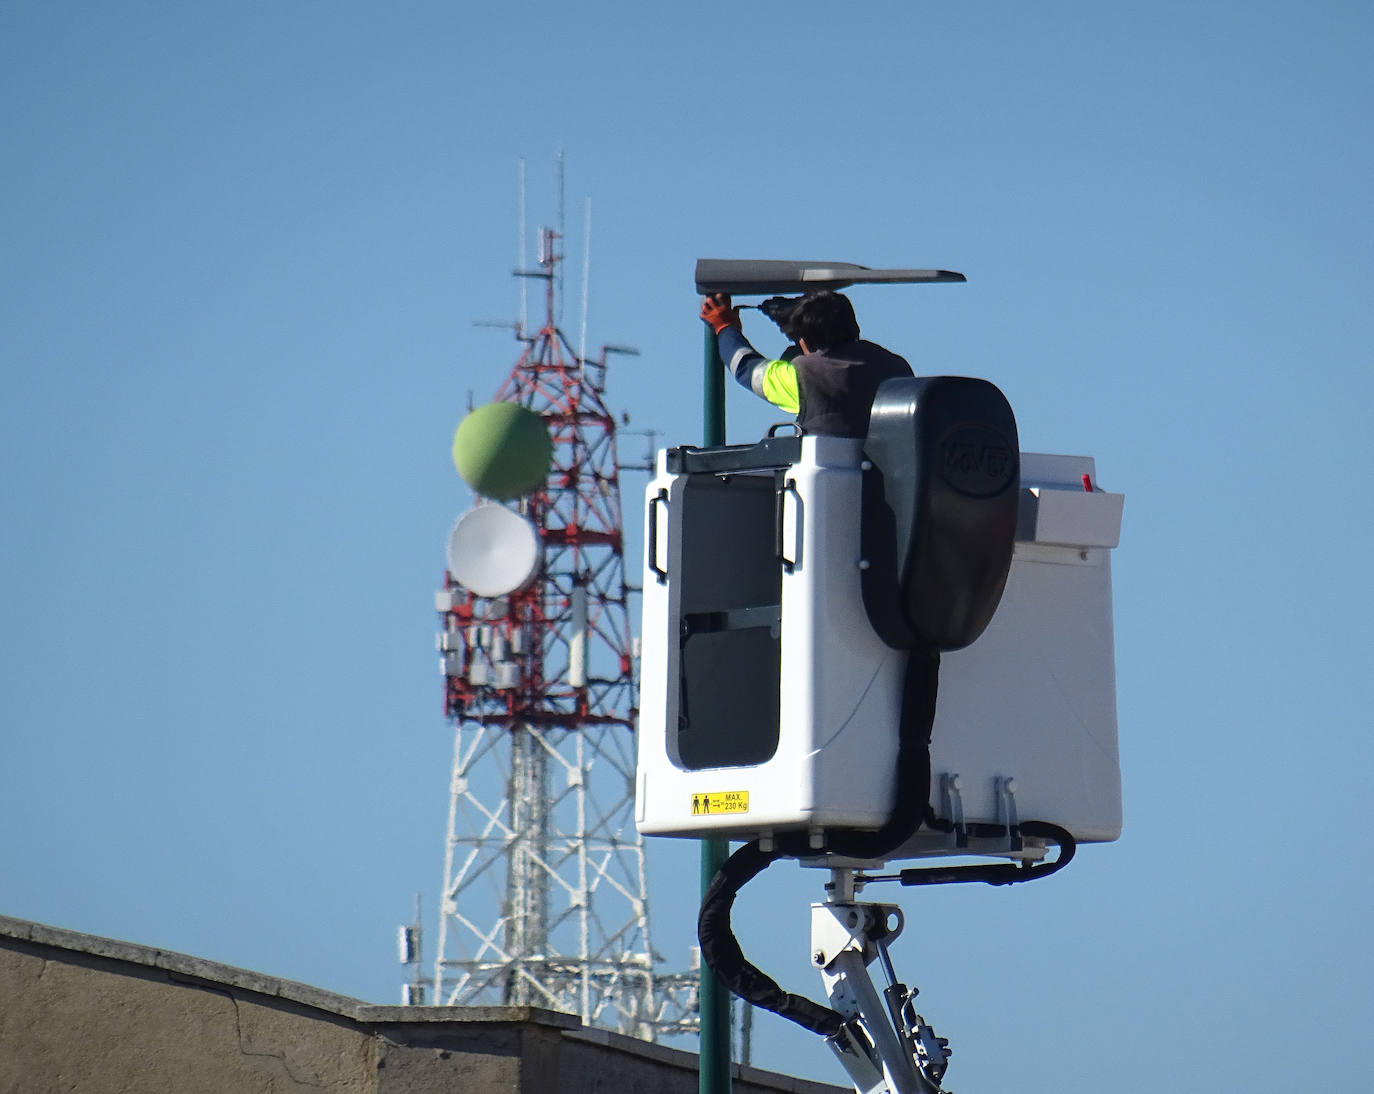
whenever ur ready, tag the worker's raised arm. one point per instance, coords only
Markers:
(774, 380)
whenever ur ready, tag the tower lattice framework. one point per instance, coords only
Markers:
(545, 900)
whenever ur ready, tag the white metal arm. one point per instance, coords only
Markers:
(884, 1046)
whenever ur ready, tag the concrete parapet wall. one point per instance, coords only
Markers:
(95, 1016)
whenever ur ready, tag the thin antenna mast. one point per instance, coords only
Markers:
(520, 260)
(586, 281)
(562, 234)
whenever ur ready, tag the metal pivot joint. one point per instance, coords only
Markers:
(884, 1044)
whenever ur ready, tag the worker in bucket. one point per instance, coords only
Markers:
(827, 377)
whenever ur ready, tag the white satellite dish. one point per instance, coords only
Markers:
(492, 550)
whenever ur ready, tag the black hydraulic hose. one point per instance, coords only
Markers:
(721, 950)
(723, 956)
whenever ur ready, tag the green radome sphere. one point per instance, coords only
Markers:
(502, 450)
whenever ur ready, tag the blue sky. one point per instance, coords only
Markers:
(244, 247)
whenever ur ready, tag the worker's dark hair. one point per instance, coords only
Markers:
(825, 319)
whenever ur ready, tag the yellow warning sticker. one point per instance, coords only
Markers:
(727, 801)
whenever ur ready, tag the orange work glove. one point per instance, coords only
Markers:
(717, 313)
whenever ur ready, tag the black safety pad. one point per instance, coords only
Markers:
(940, 509)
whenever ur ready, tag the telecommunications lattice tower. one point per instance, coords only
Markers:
(545, 900)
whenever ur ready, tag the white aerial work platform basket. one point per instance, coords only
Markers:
(769, 702)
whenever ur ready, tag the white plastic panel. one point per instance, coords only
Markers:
(841, 685)
(827, 644)
(1035, 699)
(1073, 518)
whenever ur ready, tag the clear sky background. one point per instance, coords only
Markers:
(242, 248)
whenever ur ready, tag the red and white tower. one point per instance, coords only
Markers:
(545, 900)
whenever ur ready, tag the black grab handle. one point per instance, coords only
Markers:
(662, 575)
(790, 486)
